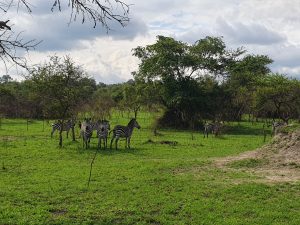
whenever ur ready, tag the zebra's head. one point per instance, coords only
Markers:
(133, 123)
(86, 124)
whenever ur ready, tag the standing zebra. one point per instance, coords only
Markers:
(214, 128)
(86, 132)
(95, 125)
(208, 128)
(102, 132)
(120, 131)
(276, 126)
(66, 126)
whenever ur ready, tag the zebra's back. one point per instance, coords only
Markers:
(121, 131)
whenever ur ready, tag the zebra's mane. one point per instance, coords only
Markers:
(131, 122)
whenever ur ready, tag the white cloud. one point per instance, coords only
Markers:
(262, 27)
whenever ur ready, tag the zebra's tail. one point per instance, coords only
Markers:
(110, 132)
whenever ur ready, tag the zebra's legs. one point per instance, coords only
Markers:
(99, 143)
(129, 142)
(67, 133)
(112, 140)
(53, 130)
(126, 142)
(105, 143)
(88, 142)
(117, 139)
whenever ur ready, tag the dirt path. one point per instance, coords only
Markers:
(281, 159)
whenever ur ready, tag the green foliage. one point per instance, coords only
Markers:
(248, 163)
(278, 95)
(204, 80)
(61, 85)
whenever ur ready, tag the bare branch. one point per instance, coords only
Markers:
(97, 11)
(10, 44)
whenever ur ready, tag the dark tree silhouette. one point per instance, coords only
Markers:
(12, 45)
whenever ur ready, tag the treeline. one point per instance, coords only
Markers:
(192, 83)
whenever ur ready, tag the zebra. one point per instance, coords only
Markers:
(102, 132)
(95, 125)
(276, 126)
(214, 128)
(208, 128)
(120, 131)
(66, 126)
(86, 132)
(217, 128)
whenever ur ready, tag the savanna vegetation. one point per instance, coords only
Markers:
(165, 179)
(169, 175)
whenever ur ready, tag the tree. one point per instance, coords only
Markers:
(62, 85)
(242, 82)
(97, 12)
(102, 104)
(278, 96)
(5, 79)
(179, 68)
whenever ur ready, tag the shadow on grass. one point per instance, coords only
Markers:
(113, 151)
(246, 130)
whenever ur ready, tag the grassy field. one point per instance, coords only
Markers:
(152, 183)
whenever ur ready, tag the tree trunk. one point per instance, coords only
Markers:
(60, 133)
(73, 134)
(135, 113)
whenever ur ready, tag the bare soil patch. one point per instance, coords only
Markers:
(8, 138)
(278, 161)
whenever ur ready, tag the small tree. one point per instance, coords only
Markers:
(62, 85)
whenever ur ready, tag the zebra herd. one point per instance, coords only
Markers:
(216, 128)
(102, 128)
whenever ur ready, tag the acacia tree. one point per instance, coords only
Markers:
(102, 12)
(278, 96)
(179, 67)
(62, 86)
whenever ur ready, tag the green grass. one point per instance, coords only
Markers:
(249, 163)
(152, 183)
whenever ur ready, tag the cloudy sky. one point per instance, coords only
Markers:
(262, 27)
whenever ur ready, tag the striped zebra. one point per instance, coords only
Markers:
(86, 132)
(208, 128)
(66, 126)
(214, 128)
(95, 125)
(120, 131)
(276, 126)
(102, 132)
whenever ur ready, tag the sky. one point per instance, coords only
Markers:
(266, 27)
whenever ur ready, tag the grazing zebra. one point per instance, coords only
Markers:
(276, 126)
(102, 132)
(120, 131)
(66, 127)
(86, 132)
